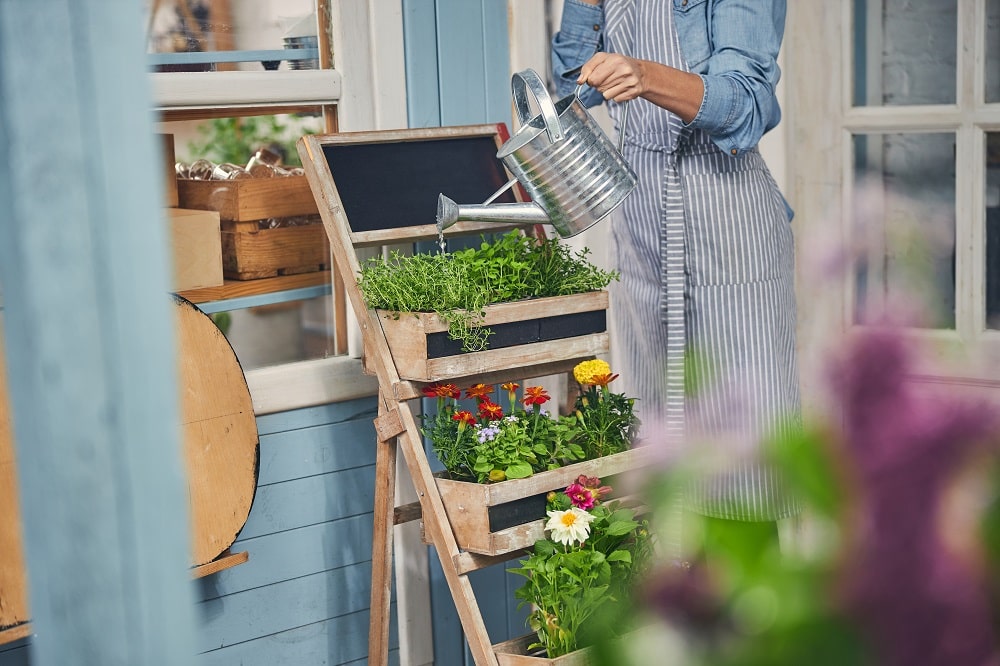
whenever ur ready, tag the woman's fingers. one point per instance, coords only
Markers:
(615, 76)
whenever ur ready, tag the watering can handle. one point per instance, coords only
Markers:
(624, 120)
(528, 80)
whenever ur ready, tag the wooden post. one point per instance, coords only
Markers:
(89, 338)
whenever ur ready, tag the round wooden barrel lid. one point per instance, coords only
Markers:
(13, 575)
(220, 433)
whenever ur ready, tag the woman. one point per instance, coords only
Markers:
(704, 244)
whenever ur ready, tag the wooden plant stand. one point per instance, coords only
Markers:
(435, 151)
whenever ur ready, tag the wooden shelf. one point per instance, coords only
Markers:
(225, 561)
(15, 633)
(232, 289)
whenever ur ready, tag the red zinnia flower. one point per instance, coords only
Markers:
(490, 410)
(480, 392)
(535, 395)
(441, 391)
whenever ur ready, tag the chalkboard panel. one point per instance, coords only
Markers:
(396, 184)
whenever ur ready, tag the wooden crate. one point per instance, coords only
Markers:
(498, 518)
(197, 251)
(249, 253)
(525, 333)
(249, 199)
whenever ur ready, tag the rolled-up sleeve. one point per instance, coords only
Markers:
(580, 36)
(740, 76)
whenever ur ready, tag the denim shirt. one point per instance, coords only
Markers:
(731, 44)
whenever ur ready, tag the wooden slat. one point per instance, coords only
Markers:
(224, 561)
(388, 425)
(239, 617)
(469, 562)
(406, 513)
(511, 359)
(427, 232)
(336, 640)
(515, 653)
(285, 506)
(168, 115)
(15, 633)
(499, 313)
(385, 487)
(248, 199)
(271, 252)
(242, 288)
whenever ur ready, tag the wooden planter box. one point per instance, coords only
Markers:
(525, 333)
(497, 518)
(249, 252)
(515, 653)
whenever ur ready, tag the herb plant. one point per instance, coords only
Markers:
(459, 285)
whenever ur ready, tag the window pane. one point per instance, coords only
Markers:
(993, 230)
(905, 223)
(905, 52)
(280, 333)
(993, 50)
(182, 29)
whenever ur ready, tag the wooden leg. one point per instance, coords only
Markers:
(385, 503)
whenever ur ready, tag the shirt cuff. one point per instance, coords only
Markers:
(718, 109)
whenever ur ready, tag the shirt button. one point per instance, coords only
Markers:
(733, 151)
(597, 27)
(684, 3)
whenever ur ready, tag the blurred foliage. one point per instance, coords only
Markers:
(875, 579)
(235, 140)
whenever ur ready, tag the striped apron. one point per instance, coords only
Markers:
(703, 325)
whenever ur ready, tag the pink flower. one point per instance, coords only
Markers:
(581, 497)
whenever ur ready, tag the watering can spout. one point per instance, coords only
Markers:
(449, 212)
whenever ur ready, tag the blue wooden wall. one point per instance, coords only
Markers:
(302, 597)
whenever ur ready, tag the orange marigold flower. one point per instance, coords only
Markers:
(603, 380)
(535, 395)
(464, 417)
(479, 392)
(490, 410)
(510, 386)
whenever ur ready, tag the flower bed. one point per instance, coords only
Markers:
(500, 464)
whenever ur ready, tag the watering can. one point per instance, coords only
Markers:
(573, 173)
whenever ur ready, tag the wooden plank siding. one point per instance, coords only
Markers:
(302, 597)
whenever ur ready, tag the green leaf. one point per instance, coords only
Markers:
(518, 471)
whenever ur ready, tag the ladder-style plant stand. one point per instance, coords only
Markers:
(410, 168)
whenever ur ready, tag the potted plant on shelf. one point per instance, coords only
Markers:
(509, 302)
(500, 463)
(587, 564)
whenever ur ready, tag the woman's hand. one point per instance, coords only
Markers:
(621, 78)
(615, 76)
